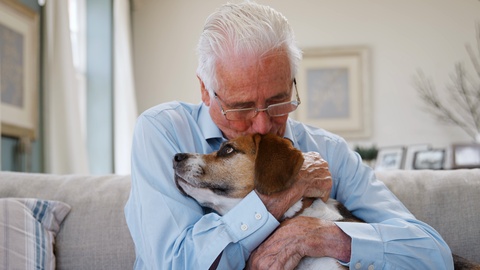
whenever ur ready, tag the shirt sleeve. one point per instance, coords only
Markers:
(391, 238)
(170, 230)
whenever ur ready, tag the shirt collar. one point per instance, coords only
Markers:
(206, 124)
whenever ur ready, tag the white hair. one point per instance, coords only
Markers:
(246, 28)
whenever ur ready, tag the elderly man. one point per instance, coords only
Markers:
(248, 59)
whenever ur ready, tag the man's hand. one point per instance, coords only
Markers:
(316, 177)
(313, 180)
(299, 237)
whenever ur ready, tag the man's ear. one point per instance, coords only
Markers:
(205, 93)
(276, 165)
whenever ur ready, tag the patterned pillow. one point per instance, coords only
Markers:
(27, 232)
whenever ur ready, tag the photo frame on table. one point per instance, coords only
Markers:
(466, 156)
(334, 87)
(432, 159)
(390, 158)
(19, 54)
(410, 152)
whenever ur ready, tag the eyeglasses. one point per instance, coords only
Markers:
(274, 110)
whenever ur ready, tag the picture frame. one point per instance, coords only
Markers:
(334, 86)
(466, 156)
(19, 58)
(390, 158)
(431, 159)
(410, 152)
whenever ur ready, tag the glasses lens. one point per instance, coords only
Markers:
(282, 108)
(240, 114)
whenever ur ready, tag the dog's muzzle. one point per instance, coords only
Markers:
(179, 157)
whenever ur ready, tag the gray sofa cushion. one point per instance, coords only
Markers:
(449, 201)
(94, 235)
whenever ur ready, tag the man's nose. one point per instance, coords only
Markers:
(262, 122)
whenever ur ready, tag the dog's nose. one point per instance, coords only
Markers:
(180, 156)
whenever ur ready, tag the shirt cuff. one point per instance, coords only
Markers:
(250, 222)
(367, 246)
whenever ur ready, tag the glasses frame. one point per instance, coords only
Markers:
(295, 102)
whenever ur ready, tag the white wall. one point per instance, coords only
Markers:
(403, 36)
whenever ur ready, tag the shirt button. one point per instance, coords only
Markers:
(358, 265)
(371, 267)
(258, 216)
(244, 227)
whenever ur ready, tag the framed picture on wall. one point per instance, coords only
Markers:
(334, 86)
(18, 69)
(390, 158)
(432, 159)
(466, 156)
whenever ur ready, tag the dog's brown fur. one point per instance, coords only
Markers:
(276, 165)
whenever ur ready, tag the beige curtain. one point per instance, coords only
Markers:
(64, 100)
(125, 107)
(65, 143)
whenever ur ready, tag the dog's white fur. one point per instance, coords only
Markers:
(207, 198)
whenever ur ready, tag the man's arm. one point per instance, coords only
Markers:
(170, 230)
(393, 237)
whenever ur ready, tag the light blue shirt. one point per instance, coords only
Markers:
(171, 231)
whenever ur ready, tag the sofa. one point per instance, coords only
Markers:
(94, 235)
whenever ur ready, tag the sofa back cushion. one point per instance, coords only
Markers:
(446, 200)
(94, 235)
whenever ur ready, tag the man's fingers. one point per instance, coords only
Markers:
(316, 176)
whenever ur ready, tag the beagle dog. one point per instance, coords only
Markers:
(267, 163)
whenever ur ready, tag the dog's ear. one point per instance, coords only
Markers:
(276, 164)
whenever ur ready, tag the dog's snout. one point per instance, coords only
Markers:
(180, 156)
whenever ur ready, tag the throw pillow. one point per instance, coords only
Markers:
(28, 228)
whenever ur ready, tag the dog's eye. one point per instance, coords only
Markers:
(226, 150)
